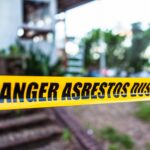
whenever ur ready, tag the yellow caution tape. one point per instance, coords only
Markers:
(21, 92)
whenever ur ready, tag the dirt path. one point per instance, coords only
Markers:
(118, 116)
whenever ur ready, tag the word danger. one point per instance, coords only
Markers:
(31, 92)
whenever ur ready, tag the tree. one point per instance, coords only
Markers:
(140, 40)
(114, 52)
(87, 42)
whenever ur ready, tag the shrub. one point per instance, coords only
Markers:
(143, 111)
(116, 139)
(66, 135)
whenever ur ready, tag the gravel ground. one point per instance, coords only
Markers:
(118, 116)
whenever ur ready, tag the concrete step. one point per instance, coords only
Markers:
(23, 120)
(27, 136)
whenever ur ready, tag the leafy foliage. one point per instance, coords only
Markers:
(37, 62)
(66, 135)
(17, 49)
(114, 147)
(140, 41)
(148, 146)
(143, 111)
(92, 37)
(114, 52)
(117, 139)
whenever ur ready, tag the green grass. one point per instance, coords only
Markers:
(66, 135)
(148, 146)
(114, 147)
(109, 134)
(116, 139)
(143, 111)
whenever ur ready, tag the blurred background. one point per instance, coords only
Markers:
(95, 38)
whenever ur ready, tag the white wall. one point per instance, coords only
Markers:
(10, 20)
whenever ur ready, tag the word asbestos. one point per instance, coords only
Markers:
(33, 92)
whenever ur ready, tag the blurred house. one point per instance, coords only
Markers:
(35, 22)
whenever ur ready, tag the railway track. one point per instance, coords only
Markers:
(42, 129)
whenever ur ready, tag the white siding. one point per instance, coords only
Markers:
(10, 20)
